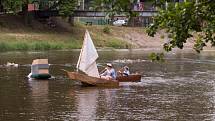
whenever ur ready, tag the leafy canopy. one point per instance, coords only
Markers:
(185, 20)
(113, 7)
(66, 7)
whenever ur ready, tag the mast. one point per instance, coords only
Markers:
(79, 59)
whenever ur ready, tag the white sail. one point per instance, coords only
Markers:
(88, 56)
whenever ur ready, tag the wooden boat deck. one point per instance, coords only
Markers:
(92, 80)
(129, 78)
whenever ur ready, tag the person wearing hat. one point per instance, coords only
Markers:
(125, 71)
(109, 73)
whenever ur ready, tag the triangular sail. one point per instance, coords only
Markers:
(88, 56)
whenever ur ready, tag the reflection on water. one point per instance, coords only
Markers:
(86, 102)
(182, 88)
(39, 92)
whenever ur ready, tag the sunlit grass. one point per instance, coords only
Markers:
(34, 40)
(37, 45)
(118, 44)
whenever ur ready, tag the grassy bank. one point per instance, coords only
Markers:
(53, 41)
(36, 41)
(14, 35)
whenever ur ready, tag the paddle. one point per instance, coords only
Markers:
(102, 71)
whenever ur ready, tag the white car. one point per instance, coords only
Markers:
(120, 23)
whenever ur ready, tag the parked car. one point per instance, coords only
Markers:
(120, 23)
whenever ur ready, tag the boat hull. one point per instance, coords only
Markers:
(41, 76)
(129, 78)
(92, 81)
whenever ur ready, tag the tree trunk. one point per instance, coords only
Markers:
(131, 19)
(71, 20)
(112, 19)
(26, 14)
(1, 6)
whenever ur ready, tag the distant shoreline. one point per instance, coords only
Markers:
(15, 36)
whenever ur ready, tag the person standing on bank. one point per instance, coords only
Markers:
(110, 73)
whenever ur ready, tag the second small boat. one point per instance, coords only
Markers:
(129, 78)
(40, 69)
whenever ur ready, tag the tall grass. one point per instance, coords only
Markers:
(37, 45)
(119, 44)
(30, 40)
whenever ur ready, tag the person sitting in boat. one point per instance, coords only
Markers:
(109, 73)
(125, 71)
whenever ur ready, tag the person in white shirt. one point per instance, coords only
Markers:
(109, 73)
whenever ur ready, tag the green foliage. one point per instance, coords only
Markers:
(113, 7)
(4, 46)
(66, 7)
(183, 20)
(157, 57)
(106, 30)
(20, 46)
(13, 5)
(40, 45)
(198, 46)
(118, 44)
(37, 45)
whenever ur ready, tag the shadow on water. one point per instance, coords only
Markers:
(181, 88)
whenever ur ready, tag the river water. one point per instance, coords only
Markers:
(182, 88)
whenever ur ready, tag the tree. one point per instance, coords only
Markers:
(113, 7)
(185, 20)
(12, 5)
(66, 7)
(16, 6)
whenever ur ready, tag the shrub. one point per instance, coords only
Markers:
(4, 46)
(20, 46)
(106, 30)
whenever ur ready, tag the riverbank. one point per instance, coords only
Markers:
(14, 35)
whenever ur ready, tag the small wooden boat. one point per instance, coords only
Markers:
(129, 78)
(92, 81)
(40, 69)
(87, 64)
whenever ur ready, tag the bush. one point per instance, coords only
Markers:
(4, 46)
(41, 46)
(106, 30)
(115, 44)
(20, 46)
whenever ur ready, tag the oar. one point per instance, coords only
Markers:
(102, 71)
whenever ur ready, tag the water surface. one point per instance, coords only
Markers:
(182, 88)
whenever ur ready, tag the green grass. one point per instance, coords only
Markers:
(119, 44)
(53, 45)
(37, 45)
(25, 40)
